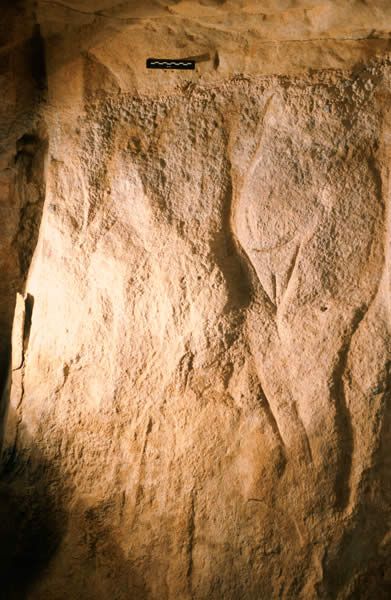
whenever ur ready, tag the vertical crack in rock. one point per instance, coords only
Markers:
(190, 544)
(29, 305)
(5, 379)
(18, 328)
(21, 329)
(20, 337)
(343, 422)
(137, 492)
(38, 59)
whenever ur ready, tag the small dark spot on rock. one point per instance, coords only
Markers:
(378, 389)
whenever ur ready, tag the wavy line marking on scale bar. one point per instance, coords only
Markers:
(155, 62)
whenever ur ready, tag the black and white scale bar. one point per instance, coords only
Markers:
(169, 63)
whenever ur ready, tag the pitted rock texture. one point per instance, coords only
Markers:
(199, 405)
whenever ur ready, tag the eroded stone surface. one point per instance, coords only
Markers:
(202, 408)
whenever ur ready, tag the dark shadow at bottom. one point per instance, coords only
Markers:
(35, 514)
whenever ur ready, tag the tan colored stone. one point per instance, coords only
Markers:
(202, 410)
(18, 333)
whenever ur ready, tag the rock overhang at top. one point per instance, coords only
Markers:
(239, 37)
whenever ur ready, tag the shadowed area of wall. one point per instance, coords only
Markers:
(199, 401)
(22, 155)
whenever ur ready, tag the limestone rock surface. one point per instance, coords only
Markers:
(197, 404)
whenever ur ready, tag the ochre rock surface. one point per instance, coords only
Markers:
(198, 390)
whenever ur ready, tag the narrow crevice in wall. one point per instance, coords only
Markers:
(38, 59)
(23, 204)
